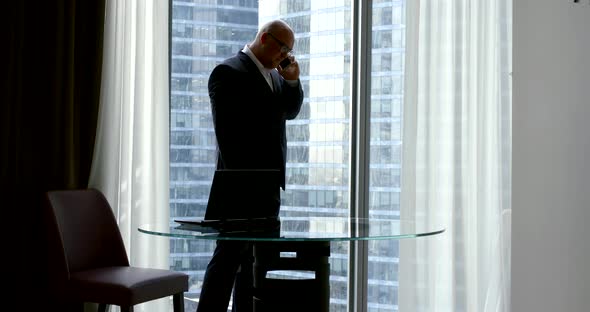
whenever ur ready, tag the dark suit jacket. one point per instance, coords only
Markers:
(249, 118)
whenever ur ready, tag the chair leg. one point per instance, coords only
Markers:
(103, 307)
(178, 301)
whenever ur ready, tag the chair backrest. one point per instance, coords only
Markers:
(85, 231)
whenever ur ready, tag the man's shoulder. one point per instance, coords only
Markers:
(235, 67)
(237, 61)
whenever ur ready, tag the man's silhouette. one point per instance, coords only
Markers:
(251, 98)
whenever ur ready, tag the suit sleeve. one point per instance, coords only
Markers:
(293, 99)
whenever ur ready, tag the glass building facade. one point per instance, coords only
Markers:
(204, 33)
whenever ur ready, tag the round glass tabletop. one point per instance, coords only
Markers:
(294, 229)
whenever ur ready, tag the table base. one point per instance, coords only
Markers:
(299, 294)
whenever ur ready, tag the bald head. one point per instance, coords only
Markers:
(271, 41)
(275, 27)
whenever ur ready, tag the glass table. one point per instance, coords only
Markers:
(293, 244)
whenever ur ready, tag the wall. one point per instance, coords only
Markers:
(551, 156)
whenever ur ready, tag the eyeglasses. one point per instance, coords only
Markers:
(284, 48)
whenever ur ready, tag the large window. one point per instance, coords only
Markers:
(321, 155)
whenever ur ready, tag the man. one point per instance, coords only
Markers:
(252, 96)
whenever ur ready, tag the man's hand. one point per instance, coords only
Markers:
(291, 72)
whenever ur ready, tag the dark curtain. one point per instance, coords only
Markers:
(51, 71)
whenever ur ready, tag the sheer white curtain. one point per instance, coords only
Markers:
(457, 156)
(130, 164)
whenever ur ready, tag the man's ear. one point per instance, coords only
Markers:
(263, 38)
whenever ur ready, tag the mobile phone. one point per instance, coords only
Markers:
(286, 62)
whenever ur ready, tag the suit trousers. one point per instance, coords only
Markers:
(230, 267)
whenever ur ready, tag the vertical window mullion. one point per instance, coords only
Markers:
(360, 137)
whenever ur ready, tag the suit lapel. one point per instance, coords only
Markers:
(276, 81)
(255, 72)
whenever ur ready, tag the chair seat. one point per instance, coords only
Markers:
(124, 285)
